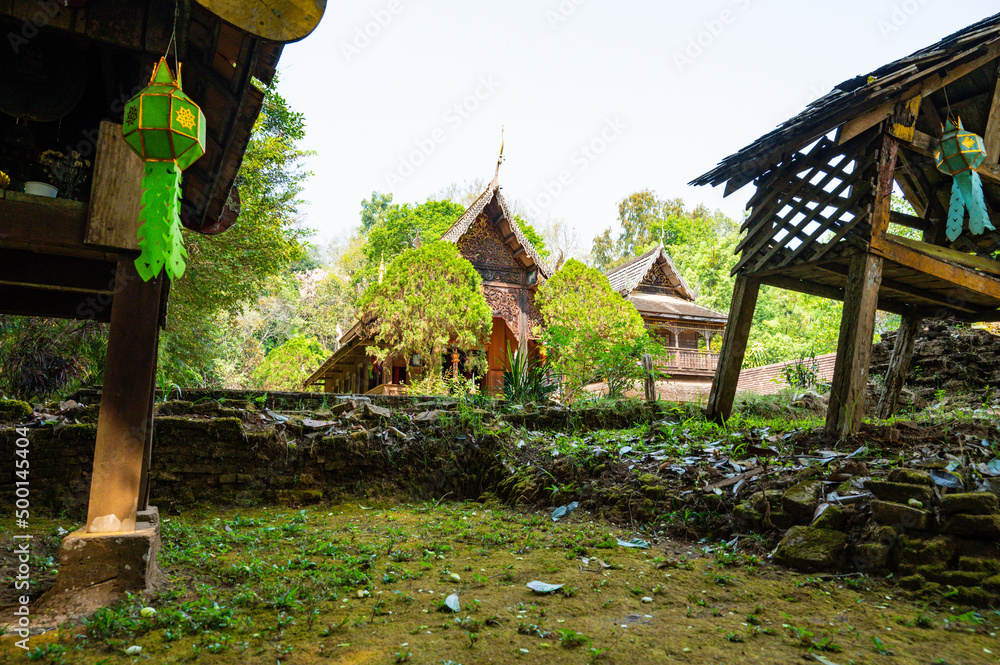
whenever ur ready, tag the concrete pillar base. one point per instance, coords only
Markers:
(96, 569)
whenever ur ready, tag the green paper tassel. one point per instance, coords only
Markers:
(967, 194)
(161, 242)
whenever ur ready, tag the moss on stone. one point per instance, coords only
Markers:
(800, 500)
(811, 550)
(78, 432)
(14, 411)
(910, 477)
(970, 503)
(917, 551)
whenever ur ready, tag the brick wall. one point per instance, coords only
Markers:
(767, 379)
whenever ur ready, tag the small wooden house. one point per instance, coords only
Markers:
(511, 269)
(820, 216)
(690, 332)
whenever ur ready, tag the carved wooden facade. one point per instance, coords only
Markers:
(510, 267)
(691, 332)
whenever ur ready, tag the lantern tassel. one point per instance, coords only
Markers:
(161, 241)
(967, 194)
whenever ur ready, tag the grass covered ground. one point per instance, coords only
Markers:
(360, 583)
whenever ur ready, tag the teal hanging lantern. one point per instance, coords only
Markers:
(167, 129)
(958, 153)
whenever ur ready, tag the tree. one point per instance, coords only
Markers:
(591, 331)
(429, 300)
(399, 228)
(374, 210)
(233, 269)
(287, 366)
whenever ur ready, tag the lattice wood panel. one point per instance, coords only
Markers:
(808, 204)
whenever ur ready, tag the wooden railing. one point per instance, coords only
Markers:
(690, 360)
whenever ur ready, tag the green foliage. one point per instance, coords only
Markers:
(40, 358)
(227, 271)
(285, 367)
(592, 332)
(429, 300)
(396, 227)
(526, 379)
(801, 374)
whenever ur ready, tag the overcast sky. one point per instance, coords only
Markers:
(598, 98)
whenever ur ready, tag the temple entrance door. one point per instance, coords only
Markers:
(496, 355)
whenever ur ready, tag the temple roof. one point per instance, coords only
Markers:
(626, 277)
(492, 201)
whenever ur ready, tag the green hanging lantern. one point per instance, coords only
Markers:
(958, 153)
(164, 127)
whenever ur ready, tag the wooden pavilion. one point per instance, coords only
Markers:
(666, 304)
(488, 235)
(820, 216)
(65, 75)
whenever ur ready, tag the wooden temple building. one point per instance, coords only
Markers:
(66, 71)
(691, 333)
(488, 235)
(820, 216)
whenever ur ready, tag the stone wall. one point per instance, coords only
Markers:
(953, 358)
(229, 452)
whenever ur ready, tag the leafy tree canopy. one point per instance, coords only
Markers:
(287, 366)
(429, 299)
(397, 229)
(585, 320)
(232, 269)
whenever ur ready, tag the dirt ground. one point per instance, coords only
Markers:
(358, 583)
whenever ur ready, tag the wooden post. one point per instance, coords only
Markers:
(648, 382)
(734, 347)
(857, 327)
(857, 324)
(126, 416)
(899, 364)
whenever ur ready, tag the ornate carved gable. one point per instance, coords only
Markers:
(483, 246)
(656, 281)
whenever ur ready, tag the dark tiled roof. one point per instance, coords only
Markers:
(626, 277)
(850, 99)
(673, 307)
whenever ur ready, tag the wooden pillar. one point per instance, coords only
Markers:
(124, 426)
(899, 363)
(734, 347)
(864, 277)
(648, 382)
(854, 347)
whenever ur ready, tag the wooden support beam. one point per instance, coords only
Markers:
(910, 221)
(899, 364)
(857, 323)
(857, 327)
(734, 346)
(126, 405)
(948, 73)
(905, 289)
(954, 274)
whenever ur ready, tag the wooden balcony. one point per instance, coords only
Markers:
(690, 361)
